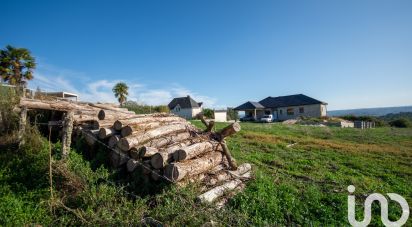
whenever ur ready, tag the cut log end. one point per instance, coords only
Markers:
(126, 131)
(117, 125)
(101, 115)
(124, 144)
(157, 161)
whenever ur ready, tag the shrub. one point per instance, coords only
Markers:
(208, 113)
(401, 123)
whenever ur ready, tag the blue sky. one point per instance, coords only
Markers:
(350, 54)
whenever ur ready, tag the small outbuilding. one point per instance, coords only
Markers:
(220, 115)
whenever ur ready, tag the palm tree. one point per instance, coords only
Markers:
(120, 92)
(16, 65)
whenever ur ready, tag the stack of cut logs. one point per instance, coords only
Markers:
(160, 146)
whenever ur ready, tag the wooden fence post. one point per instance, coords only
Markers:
(67, 132)
(22, 125)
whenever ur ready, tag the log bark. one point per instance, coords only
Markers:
(228, 131)
(218, 191)
(226, 175)
(134, 140)
(52, 105)
(132, 165)
(119, 124)
(106, 132)
(101, 124)
(130, 129)
(113, 141)
(114, 115)
(67, 132)
(22, 125)
(178, 171)
(165, 156)
(168, 140)
(118, 157)
(156, 175)
(146, 151)
(90, 136)
(230, 159)
(210, 126)
(193, 150)
(111, 108)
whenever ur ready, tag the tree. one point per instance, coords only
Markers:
(16, 65)
(208, 113)
(120, 91)
(400, 123)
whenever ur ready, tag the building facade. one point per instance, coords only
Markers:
(284, 107)
(185, 107)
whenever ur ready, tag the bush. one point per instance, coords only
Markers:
(208, 113)
(400, 123)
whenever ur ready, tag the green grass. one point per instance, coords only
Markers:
(307, 183)
(302, 185)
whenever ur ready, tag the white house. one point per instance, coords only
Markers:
(284, 107)
(185, 107)
(220, 115)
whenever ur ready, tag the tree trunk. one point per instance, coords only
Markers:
(134, 140)
(118, 157)
(193, 150)
(168, 140)
(114, 115)
(90, 136)
(226, 175)
(230, 159)
(218, 191)
(145, 152)
(228, 131)
(52, 105)
(165, 156)
(178, 171)
(22, 125)
(67, 132)
(119, 124)
(113, 141)
(130, 129)
(106, 132)
(132, 165)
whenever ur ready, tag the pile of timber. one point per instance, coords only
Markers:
(158, 146)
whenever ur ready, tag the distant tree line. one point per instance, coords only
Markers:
(145, 109)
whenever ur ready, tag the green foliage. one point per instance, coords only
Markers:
(9, 118)
(23, 181)
(208, 113)
(392, 116)
(232, 114)
(121, 92)
(401, 123)
(16, 65)
(145, 109)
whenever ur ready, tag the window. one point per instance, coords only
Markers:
(177, 109)
(280, 112)
(290, 111)
(301, 110)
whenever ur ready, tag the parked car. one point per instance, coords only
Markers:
(247, 118)
(267, 118)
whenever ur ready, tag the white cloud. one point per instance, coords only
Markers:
(101, 90)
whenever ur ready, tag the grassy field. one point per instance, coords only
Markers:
(307, 182)
(300, 185)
